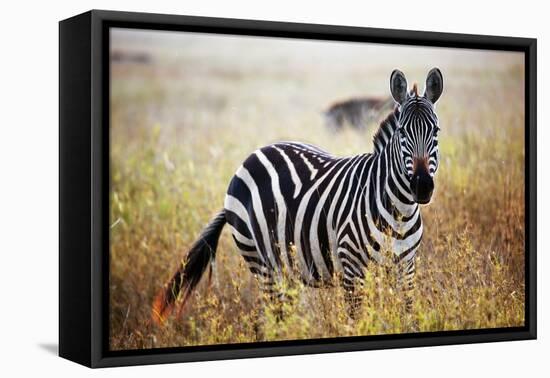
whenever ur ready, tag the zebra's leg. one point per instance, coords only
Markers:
(406, 272)
(265, 299)
(353, 299)
(352, 281)
(259, 270)
(271, 287)
(269, 307)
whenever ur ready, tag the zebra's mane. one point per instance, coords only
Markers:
(385, 131)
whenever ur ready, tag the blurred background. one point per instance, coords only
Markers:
(187, 109)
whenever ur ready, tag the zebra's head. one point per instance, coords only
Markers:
(417, 130)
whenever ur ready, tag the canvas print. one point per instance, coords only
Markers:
(267, 189)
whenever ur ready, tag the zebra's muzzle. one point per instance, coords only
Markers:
(422, 187)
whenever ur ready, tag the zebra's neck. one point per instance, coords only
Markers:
(396, 193)
(385, 131)
(391, 217)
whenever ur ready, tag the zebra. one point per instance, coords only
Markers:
(357, 112)
(292, 204)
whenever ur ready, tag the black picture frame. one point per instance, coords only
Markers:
(84, 186)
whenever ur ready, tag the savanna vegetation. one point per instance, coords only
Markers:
(184, 119)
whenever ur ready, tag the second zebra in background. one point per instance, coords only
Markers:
(357, 112)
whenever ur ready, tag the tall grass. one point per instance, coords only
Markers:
(179, 130)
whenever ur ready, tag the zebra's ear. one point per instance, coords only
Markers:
(434, 85)
(398, 86)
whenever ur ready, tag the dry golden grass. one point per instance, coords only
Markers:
(181, 127)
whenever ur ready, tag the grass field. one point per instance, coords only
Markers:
(185, 118)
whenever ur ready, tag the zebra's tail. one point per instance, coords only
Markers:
(193, 266)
